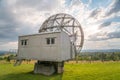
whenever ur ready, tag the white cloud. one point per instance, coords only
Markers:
(113, 8)
(26, 17)
(9, 45)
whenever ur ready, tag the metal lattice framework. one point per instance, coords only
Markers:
(68, 24)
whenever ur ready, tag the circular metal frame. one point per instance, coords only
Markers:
(68, 24)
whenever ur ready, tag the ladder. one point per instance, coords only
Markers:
(18, 62)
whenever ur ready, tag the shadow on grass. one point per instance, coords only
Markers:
(30, 76)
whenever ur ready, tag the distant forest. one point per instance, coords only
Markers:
(103, 56)
(83, 56)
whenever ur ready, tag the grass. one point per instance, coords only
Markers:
(72, 71)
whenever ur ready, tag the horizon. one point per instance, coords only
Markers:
(81, 50)
(100, 20)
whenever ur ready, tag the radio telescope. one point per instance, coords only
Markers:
(67, 23)
(60, 39)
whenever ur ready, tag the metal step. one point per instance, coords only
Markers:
(18, 62)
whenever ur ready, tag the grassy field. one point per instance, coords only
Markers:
(72, 71)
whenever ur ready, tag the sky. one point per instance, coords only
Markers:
(100, 20)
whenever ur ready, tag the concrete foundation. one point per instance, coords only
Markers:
(60, 67)
(48, 68)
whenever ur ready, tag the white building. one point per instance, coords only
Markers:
(53, 46)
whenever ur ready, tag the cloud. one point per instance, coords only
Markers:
(41, 5)
(104, 36)
(95, 13)
(10, 25)
(114, 35)
(107, 20)
(104, 24)
(101, 14)
(98, 36)
(8, 46)
(76, 2)
(113, 8)
(19, 17)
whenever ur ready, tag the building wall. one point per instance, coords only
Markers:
(65, 46)
(39, 50)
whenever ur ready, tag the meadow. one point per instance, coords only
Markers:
(72, 71)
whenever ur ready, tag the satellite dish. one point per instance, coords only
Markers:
(68, 24)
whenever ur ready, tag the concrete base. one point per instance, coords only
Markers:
(60, 67)
(42, 69)
(48, 68)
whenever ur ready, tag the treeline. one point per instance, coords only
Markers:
(103, 56)
(84, 56)
(7, 57)
(12, 57)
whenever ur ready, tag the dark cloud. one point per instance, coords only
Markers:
(7, 23)
(10, 26)
(114, 7)
(11, 23)
(104, 24)
(105, 14)
(114, 34)
(95, 13)
(108, 22)
(104, 36)
(42, 5)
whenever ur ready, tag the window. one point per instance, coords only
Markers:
(50, 41)
(24, 42)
